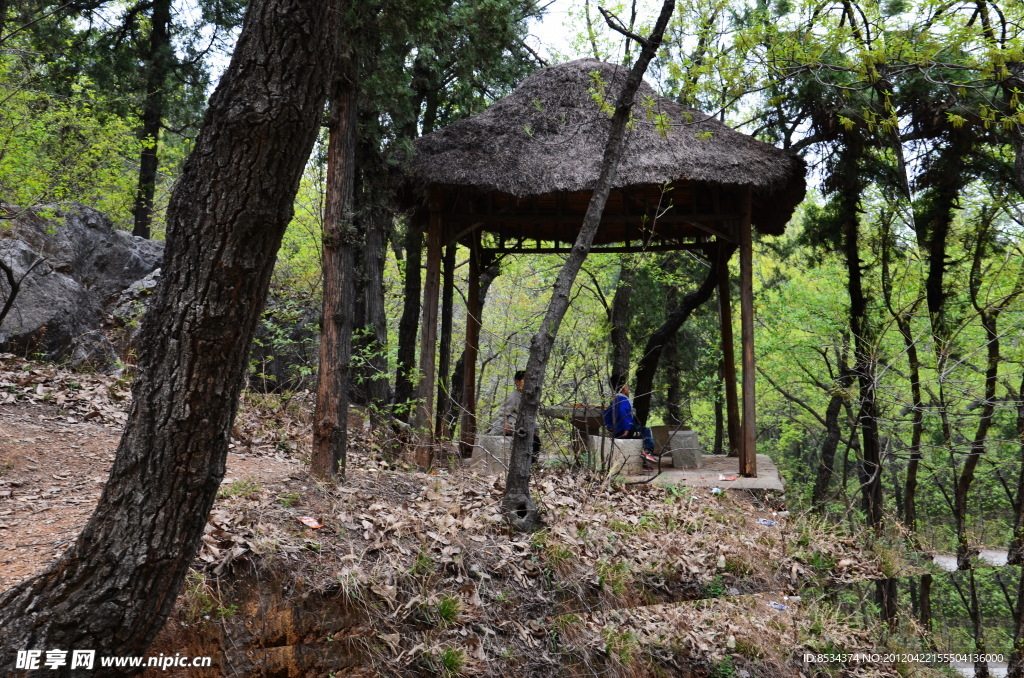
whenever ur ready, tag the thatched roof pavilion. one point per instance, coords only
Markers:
(524, 169)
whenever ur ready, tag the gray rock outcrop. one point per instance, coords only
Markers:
(63, 301)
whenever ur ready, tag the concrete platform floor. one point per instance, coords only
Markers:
(712, 466)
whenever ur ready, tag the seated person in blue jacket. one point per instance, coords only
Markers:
(505, 420)
(619, 419)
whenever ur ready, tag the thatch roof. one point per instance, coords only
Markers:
(548, 137)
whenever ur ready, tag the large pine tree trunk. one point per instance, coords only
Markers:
(114, 587)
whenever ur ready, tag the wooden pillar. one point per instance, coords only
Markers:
(473, 307)
(748, 450)
(445, 358)
(428, 326)
(732, 406)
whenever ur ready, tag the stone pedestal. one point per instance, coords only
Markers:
(620, 455)
(685, 448)
(491, 455)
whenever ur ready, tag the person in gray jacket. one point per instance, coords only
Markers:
(504, 421)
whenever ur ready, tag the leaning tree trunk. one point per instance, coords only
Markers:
(114, 587)
(160, 54)
(648, 364)
(518, 506)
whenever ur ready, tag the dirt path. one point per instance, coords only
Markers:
(53, 467)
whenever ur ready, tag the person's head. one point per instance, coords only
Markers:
(520, 379)
(621, 384)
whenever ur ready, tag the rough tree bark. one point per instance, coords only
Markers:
(330, 417)
(690, 302)
(160, 55)
(114, 587)
(518, 506)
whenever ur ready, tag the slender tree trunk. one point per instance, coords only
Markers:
(410, 321)
(454, 404)
(340, 240)
(903, 318)
(517, 504)
(673, 368)
(1016, 663)
(826, 460)
(648, 364)
(887, 600)
(1013, 85)
(619, 315)
(732, 408)
(978, 624)
(989, 320)
(719, 446)
(113, 589)
(377, 386)
(1016, 550)
(444, 355)
(947, 180)
(925, 604)
(4, 4)
(158, 68)
(673, 383)
(869, 470)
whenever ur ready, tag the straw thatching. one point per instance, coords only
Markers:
(549, 135)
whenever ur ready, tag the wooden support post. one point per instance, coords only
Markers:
(732, 406)
(473, 307)
(748, 450)
(428, 329)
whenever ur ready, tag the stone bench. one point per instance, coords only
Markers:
(685, 449)
(616, 455)
(491, 455)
